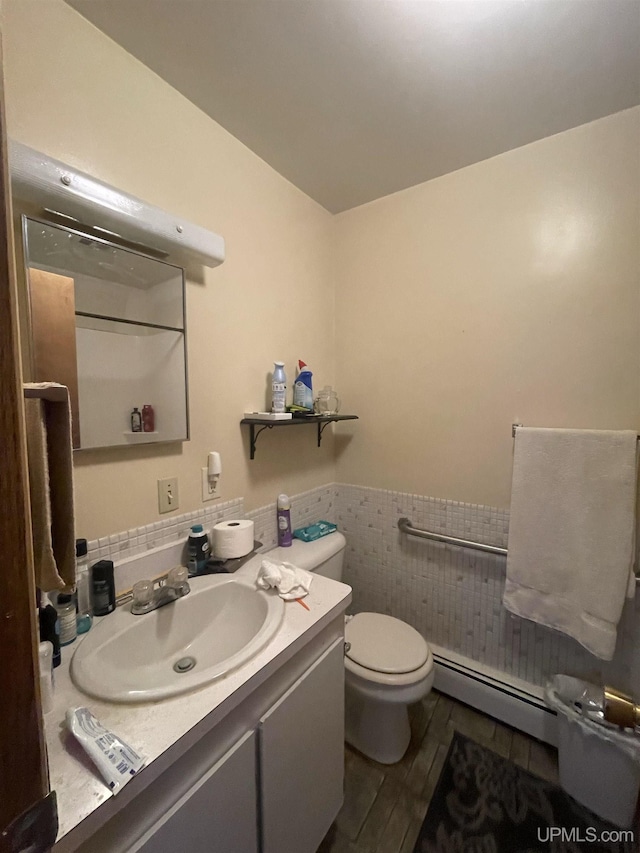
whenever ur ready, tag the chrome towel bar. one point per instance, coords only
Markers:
(405, 526)
(514, 427)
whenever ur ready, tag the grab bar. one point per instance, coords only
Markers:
(405, 526)
(514, 427)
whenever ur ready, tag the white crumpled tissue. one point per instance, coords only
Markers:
(290, 581)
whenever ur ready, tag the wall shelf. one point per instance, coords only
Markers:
(257, 426)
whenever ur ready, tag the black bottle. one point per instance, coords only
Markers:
(50, 630)
(103, 590)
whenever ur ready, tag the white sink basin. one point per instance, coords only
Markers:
(221, 624)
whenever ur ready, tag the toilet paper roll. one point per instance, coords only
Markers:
(232, 538)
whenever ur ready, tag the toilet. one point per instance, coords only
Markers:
(388, 664)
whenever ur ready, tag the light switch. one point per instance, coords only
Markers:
(168, 494)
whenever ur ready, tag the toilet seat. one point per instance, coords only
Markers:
(386, 650)
(386, 679)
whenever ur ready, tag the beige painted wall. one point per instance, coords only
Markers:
(507, 291)
(77, 96)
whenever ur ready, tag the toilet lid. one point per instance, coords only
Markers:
(385, 644)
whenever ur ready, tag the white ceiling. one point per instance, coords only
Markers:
(354, 99)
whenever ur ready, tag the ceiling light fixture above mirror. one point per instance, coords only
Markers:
(67, 193)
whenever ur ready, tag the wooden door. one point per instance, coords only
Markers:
(27, 810)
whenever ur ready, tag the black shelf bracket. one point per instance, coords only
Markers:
(253, 437)
(321, 429)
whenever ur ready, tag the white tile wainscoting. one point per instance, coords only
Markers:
(453, 596)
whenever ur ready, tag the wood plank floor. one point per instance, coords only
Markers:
(384, 806)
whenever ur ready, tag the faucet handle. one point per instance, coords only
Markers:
(177, 576)
(143, 592)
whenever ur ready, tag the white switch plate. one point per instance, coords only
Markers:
(207, 494)
(168, 494)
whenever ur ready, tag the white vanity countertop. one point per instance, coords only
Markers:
(153, 727)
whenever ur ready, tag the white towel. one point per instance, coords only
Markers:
(571, 533)
(290, 581)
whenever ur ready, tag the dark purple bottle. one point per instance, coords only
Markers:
(284, 521)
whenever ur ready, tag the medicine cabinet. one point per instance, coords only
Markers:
(109, 323)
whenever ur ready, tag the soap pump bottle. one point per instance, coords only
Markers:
(284, 521)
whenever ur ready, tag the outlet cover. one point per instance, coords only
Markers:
(168, 494)
(209, 492)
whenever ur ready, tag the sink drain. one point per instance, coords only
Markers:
(184, 664)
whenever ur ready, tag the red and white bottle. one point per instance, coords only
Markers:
(148, 418)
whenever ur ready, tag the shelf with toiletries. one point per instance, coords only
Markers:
(259, 424)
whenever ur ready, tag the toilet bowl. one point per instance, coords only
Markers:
(388, 664)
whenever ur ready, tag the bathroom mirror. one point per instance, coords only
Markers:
(109, 323)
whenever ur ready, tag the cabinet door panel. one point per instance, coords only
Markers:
(302, 758)
(217, 815)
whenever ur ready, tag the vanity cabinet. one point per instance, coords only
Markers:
(216, 815)
(268, 778)
(299, 747)
(302, 758)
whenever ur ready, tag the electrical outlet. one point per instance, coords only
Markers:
(210, 490)
(168, 494)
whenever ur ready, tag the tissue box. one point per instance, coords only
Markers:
(315, 531)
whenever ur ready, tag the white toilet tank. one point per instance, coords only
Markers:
(324, 556)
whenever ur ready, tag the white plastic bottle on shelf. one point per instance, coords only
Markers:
(278, 388)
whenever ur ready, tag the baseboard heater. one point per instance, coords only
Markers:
(504, 697)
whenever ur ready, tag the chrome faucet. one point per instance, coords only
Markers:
(147, 597)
